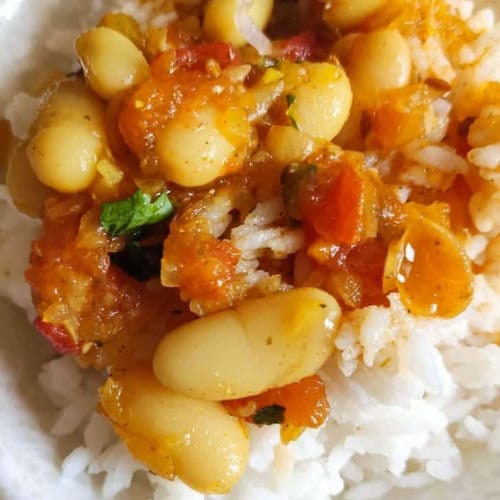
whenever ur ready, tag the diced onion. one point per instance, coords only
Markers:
(250, 32)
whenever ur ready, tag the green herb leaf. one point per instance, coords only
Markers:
(139, 262)
(122, 217)
(290, 99)
(269, 62)
(274, 414)
(293, 178)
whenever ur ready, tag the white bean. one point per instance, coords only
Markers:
(71, 100)
(26, 190)
(111, 62)
(320, 105)
(346, 14)
(175, 435)
(260, 344)
(64, 155)
(220, 24)
(287, 144)
(379, 61)
(196, 146)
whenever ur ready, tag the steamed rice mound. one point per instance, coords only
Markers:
(355, 156)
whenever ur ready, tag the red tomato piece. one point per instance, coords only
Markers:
(337, 212)
(196, 57)
(308, 45)
(305, 403)
(58, 337)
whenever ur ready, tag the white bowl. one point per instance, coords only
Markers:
(30, 458)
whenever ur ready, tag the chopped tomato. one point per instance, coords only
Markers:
(356, 271)
(335, 210)
(194, 57)
(391, 216)
(148, 108)
(304, 403)
(306, 46)
(58, 337)
(400, 117)
(203, 268)
(152, 104)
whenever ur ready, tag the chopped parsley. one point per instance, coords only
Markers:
(269, 62)
(293, 178)
(290, 99)
(140, 262)
(124, 217)
(274, 414)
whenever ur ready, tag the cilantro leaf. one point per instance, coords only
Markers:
(293, 179)
(140, 262)
(269, 62)
(290, 99)
(273, 414)
(122, 217)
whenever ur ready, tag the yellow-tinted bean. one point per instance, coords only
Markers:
(345, 14)
(26, 190)
(111, 62)
(260, 344)
(287, 144)
(219, 22)
(196, 146)
(64, 155)
(321, 104)
(379, 61)
(172, 434)
(125, 25)
(350, 137)
(341, 49)
(71, 100)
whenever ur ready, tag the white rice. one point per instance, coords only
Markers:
(415, 402)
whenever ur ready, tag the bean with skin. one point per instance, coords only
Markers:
(321, 103)
(67, 138)
(260, 344)
(219, 22)
(124, 24)
(71, 100)
(379, 60)
(341, 49)
(175, 435)
(26, 190)
(345, 14)
(64, 155)
(111, 62)
(287, 144)
(194, 150)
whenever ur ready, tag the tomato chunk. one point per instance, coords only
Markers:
(58, 337)
(195, 57)
(305, 46)
(204, 269)
(355, 271)
(335, 211)
(301, 404)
